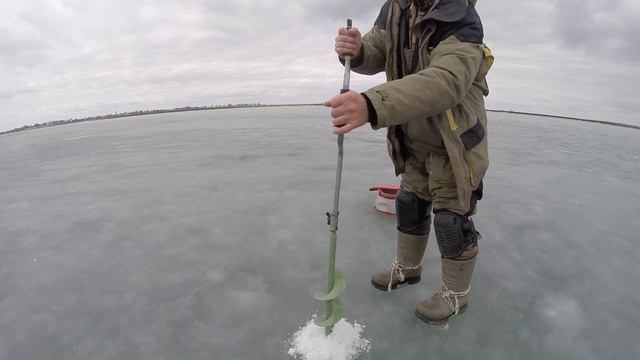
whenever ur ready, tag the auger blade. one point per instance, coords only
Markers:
(336, 315)
(339, 286)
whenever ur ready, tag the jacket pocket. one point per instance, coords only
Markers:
(472, 137)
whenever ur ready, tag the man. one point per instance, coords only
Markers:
(432, 104)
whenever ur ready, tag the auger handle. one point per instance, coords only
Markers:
(347, 66)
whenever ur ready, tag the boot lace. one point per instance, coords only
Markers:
(397, 268)
(447, 295)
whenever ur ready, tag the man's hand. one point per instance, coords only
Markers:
(348, 42)
(349, 111)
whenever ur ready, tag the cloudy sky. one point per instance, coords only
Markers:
(74, 58)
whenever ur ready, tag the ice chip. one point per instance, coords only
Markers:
(344, 343)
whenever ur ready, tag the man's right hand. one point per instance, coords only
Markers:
(348, 42)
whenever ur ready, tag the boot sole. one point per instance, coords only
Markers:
(410, 281)
(425, 319)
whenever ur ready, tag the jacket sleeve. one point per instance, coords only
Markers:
(432, 91)
(373, 55)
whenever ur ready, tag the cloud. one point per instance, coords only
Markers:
(597, 28)
(70, 58)
(336, 11)
(605, 28)
(517, 24)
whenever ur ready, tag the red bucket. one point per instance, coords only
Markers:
(386, 197)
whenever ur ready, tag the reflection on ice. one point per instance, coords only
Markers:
(563, 313)
(344, 343)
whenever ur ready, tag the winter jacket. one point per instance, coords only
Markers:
(443, 82)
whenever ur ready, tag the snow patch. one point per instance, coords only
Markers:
(344, 343)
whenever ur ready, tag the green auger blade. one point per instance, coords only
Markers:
(339, 286)
(336, 315)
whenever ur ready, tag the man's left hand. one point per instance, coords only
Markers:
(349, 111)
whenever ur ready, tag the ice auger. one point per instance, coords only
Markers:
(337, 282)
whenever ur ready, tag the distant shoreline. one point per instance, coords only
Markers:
(258, 105)
(144, 112)
(612, 123)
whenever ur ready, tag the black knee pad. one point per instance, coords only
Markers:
(454, 233)
(412, 213)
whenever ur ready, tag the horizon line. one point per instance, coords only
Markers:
(117, 115)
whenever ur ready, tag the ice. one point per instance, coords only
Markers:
(203, 235)
(344, 343)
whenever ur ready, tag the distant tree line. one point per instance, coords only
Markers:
(134, 113)
(249, 105)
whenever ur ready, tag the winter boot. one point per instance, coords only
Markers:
(406, 267)
(452, 298)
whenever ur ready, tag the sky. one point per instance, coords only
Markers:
(62, 59)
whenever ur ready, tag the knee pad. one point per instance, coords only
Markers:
(412, 213)
(454, 234)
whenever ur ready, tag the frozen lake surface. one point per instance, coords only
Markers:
(202, 235)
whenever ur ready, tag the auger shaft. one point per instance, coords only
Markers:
(333, 217)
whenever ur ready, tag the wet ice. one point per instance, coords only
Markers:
(203, 236)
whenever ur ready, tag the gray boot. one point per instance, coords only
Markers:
(452, 298)
(407, 266)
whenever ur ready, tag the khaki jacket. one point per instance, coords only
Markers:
(443, 83)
